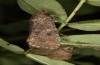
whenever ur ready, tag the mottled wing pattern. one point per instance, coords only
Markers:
(62, 53)
(43, 32)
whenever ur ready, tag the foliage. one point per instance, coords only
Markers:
(85, 44)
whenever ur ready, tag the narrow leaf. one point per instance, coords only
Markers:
(94, 2)
(90, 25)
(51, 6)
(10, 47)
(86, 40)
(47, 61)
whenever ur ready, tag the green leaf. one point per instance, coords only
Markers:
(47, 61)
(94, 2)
(51, 6)
(90, 25)
(87, 52)
(88, 40)
(9, 58)
(7, 61)
(10, 47)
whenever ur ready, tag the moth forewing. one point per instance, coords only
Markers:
(43, 32)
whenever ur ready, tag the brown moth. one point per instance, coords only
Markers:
(43, 32)
(62, 53)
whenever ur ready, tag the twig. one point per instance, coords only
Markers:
(72, 14)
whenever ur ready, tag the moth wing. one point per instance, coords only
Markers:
(48, 40)
(43, 33)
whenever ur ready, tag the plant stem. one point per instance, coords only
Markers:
(26, 52)
(72, 14)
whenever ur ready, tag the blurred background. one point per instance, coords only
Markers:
(14, 28)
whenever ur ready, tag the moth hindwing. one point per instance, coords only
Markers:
(62, 53)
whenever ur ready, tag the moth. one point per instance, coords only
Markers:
(43, 32)
(62, 53)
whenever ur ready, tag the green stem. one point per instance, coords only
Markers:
(72, 14)
(26, 52)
